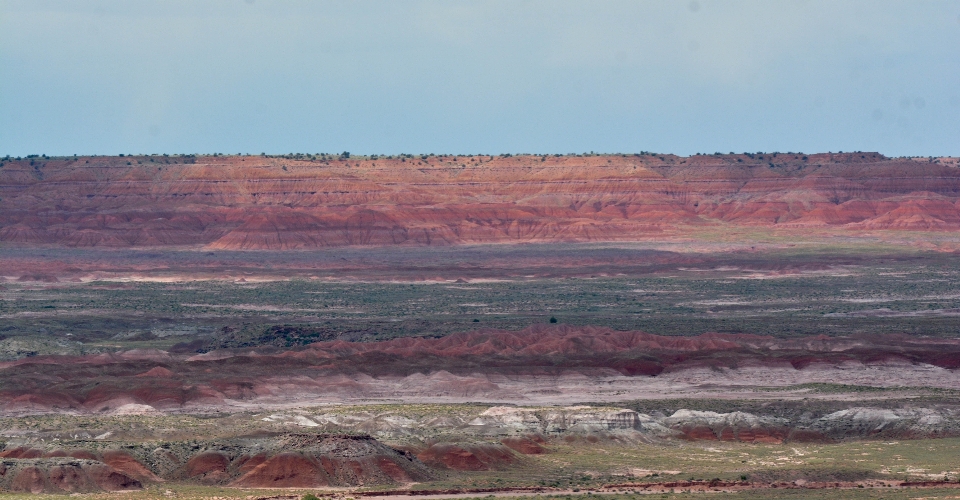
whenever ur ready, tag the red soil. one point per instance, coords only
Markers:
(287, 203)
(746, 435)
(84, 454)
(394, 471)
(112, 480)
(312, 461)
(699, 433)
(296, 460)
(29, 479)
(59, 476)
(247, 463)
(157, 371)
(21, 452)
(762, 436)
(467, 457)
(524, 445)
(287, 470)
(128, 465)
(208, 467)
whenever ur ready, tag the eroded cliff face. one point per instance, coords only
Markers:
(234, 202)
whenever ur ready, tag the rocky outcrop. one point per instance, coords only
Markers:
(500, 420)
(735, 426)
(301, 202)
(851, 423)
(897, 423)
(531, 430)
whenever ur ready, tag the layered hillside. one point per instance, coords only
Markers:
(545, 365)
(299, 202)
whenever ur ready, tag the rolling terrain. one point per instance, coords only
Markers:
(446, 326)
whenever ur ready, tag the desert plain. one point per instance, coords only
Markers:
(755, 325)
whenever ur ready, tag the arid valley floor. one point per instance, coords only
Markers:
(750, 326)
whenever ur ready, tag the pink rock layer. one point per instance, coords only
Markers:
(250, 203)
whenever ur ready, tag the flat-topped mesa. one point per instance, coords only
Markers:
(300, 202)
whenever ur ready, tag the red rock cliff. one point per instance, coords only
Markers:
(234, 202)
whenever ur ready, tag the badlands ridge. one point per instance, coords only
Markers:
(308, 201)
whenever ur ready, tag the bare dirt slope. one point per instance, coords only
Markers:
(273, 461)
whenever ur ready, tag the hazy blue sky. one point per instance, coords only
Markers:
(515, 76)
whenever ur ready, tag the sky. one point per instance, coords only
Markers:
(479, 77)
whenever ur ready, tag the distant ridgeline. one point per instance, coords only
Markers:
(312, 201)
